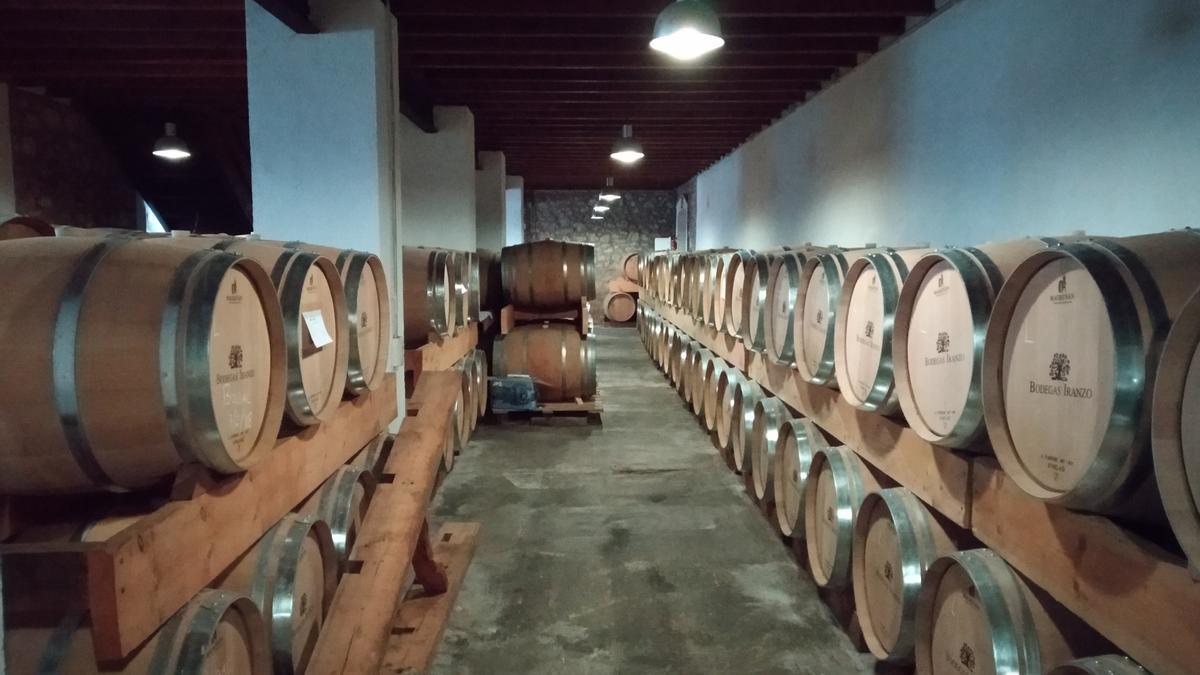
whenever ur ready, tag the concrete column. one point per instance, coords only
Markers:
(8, 192)
(514, 210)
(323, 111)
(489, 201)
(438, 181)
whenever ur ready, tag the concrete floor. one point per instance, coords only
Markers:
(625, 548)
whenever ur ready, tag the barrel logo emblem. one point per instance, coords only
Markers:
(820, 317)
(869, 330)
(362, 322)
(1062, 297)
(887, 570)
(233, 288)
(943, 342)
(1060, 367)
(236, 357)
(1062, 284)
(941, 280)
(967, 656)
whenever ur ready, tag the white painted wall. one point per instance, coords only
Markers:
(438, 181)
(8, 192)
(514, 210)
(323, 112)
(995, 119)
(489, 201)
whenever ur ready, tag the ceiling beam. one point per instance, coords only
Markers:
(651, 8)
(292, 13)
(734, 29)
(572, 82)
(232, 20)
(627, 44)
(681, 77)
(646, 60)
(67, 40)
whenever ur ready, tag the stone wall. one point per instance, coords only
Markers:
(631, 225)
(63, 172)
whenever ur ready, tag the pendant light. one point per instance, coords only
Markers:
(171, 147)
(601, 208)
(627, 150)
(687, 30)
(608, 194)
(597, 216)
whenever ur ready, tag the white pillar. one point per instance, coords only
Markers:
(489, 201)
(438, 181)
(514, 210)
(323, 111)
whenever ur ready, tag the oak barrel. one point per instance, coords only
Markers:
(23, 227)
(216, 632)
(1071, 351)
(133, 358)
(341, 503)
(481, 385)
(619, 307)
(864, 326)
(548, 275)
(428, 280)
(703, 367)
(491, 286)
(710, 409)
(941, 319)
(1109, 664)
(896, 539)
(630, 265)
(975, 614)
(781, 289)
(561, 362)
(690, 374)
(1176, 428)
(729, 379)
(452, 442)
(368, 312)
(751, 326)
(817, 299)
(799, 439)
(470, 391)
(838, 481)
(315, 320)
(769, 415)
(744, 405)
(291, 575)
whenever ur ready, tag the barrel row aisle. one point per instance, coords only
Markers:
(960, 438)
(197, 474)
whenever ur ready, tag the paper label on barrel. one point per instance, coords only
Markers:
(317, 364)
(961, 642)
(815, 320)
(826, 536)
(1058, 374)
(317, 333)
(863, 344)
(239, 361)
(884, 578)
(941, 348)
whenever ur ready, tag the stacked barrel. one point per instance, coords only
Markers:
(620, 304)
(138, 355)
(444, 292)
(549, 283)
(1071, 359)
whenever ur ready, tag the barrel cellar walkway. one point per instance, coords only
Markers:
(625, 548)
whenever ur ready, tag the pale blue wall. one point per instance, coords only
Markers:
(996, 119)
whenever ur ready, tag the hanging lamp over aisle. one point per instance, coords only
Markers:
(687, 30)
(627, 150)
(609, 194)
(170, 146)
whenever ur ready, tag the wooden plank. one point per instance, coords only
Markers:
(421, 621)
(1138, 596)
(359, 621)
(937, 475)
(444, 353)
(144, 574)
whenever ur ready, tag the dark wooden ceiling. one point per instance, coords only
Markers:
(552, 81)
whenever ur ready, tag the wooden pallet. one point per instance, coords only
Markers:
(580, 317)
(394, 533)
(590, 411)
(1135, 594)
(138, 578)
